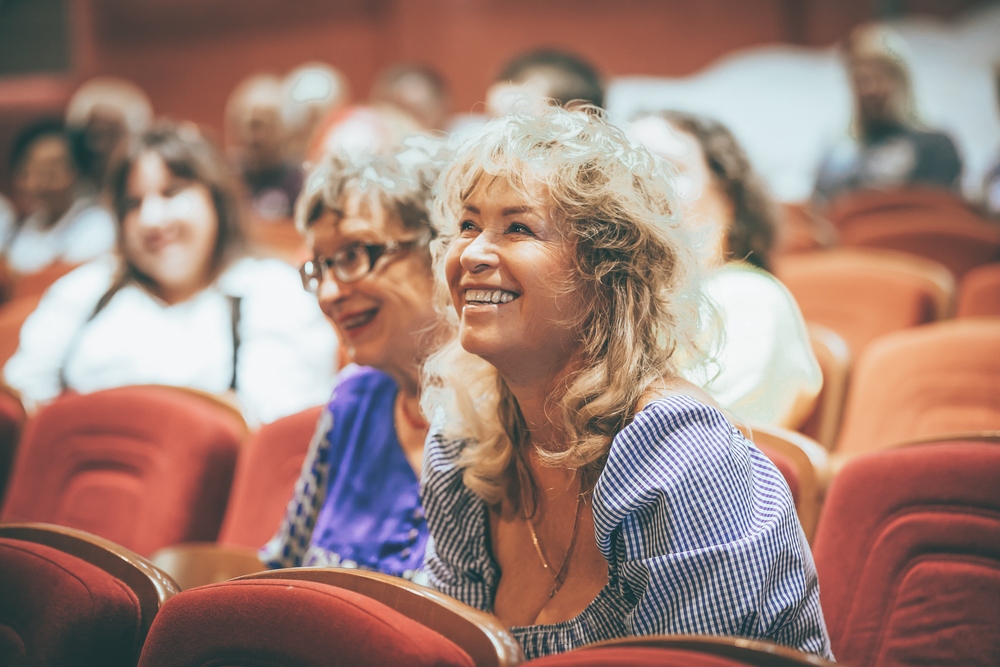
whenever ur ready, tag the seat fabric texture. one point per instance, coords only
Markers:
(634, 657)
(265, 622)
(58, 610)
(145, 467)
(908, 557)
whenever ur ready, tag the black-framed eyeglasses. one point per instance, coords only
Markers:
(351, 263)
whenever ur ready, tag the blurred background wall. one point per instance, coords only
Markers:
(188, 54)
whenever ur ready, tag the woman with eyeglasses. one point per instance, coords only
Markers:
(357, 502)
(183, 303)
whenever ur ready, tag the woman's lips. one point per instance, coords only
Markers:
(353, 324)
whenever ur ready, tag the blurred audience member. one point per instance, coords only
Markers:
(416, 90)
(183, 305)
(356, 131)
(545, 76)
(357, 500)
(889, 146)
(764, 370)
(101, 114)
(991, 184)
(254, 123)
(310, 93)
(63, 222)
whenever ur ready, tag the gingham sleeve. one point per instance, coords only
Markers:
(701, 534)
(457, 560)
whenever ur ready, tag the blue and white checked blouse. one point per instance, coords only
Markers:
(697, 526)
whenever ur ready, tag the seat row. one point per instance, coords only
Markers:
(907, 552)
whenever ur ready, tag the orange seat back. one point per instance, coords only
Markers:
(862, 294)
(931, 380)
(979, 293)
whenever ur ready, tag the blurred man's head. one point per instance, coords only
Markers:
(253, 116)
(101, 113)
(311, 92)
(45, 172)
(416, 90)
(543, 75)
(880, 79)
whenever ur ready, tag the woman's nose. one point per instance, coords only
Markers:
(330, 291)
(153, 212)
(480, 254)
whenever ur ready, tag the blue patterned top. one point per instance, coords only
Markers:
(357, 501)
(697, 526)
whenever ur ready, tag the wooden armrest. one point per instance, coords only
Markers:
(200, 563)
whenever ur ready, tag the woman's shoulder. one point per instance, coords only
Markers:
(674, 441)
(353, 381)
(88, 280)
(248, 276)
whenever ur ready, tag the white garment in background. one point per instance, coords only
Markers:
(287, 352)
(85, 232)
(766, 369)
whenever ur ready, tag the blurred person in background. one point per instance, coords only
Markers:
(416, 90)
(359, 130)
(63, 221)
(764, 370)
(102, 113)
(545, 76)
(310, 93)
(257, 133)
(889, 146)
(991, 183)
(357, 502)
(182, 304)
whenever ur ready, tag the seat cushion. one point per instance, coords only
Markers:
(56, 609)
(283, 622)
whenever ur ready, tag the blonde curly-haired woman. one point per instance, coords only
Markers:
(574, 485)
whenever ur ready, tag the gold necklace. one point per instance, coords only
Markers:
(559, 576)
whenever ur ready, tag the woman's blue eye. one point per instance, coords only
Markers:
(518, 228)
(466, 225)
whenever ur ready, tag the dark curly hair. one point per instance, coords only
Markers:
(752, 235)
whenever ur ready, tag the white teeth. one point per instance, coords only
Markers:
(489, 296)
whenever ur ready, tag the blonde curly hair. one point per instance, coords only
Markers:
(633, 265)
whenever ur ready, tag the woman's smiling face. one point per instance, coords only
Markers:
(510, 273)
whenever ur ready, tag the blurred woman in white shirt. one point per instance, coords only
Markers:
(183, 303)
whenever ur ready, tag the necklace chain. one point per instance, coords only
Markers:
(560, 576)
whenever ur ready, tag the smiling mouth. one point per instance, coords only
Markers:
(481, 297)
(358, 320)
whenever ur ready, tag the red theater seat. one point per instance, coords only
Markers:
(682, 651)
(480, 635)
(908, 556)
(979, 293)
(268, 467)
(11, 420)
(289, 621)
(68, 598)
(142, 466)
(927, 381)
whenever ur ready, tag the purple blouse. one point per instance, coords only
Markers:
(357, 501)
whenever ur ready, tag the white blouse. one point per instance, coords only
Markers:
(286, 358)
(764, 371)
(84, 232)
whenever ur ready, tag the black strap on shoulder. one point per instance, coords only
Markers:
(234, 310)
